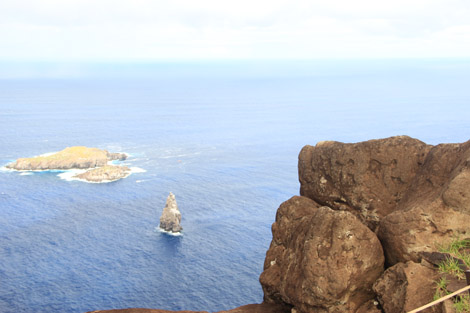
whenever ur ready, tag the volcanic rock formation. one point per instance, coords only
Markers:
(171, 216)
(326, 256)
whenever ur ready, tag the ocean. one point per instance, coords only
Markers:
(223, 136)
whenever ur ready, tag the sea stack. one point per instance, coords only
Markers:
(171, 216)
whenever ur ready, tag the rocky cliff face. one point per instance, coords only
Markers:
(368, 215)
(395, 197)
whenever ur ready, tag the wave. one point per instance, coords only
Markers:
(69, 175)
(168, 232)
(46, 154)
(26, 173)
(179, 155)
(135, 170)
(141, 180)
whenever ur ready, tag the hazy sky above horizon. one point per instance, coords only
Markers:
(118, 30)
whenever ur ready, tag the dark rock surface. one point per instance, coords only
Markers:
(406, 286)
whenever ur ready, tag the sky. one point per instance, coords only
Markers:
(147, 30)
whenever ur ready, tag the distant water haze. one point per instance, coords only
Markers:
(222, 136)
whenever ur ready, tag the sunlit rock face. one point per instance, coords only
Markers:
(171, 216)
(78, 157)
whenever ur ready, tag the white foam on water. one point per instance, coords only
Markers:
(69, 175)
(137, 170)
(168, 232)
(47, 154)
(26, 173)
(6, 169)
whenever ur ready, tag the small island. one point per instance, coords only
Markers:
(94, 160)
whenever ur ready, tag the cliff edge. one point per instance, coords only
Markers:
(368, 214)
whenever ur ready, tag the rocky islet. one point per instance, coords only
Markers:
(94, 160)
(171, 216)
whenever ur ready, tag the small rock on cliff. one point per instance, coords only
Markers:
(171, 216)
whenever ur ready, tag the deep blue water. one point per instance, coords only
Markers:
(223, 137)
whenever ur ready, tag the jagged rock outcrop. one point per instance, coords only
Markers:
(367, 178)
(325, 255)
(171, 216)
(106, 173)
(69, 158)
(406, 286)
(320, 260)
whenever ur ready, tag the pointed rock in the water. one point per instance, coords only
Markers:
(171, 216)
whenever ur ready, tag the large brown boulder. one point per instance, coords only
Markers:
(368, 178)
(320, 260)
(404, 287)
(435, 209)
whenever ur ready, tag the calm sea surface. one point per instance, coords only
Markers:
(223, 137)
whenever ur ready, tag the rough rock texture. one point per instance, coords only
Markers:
(415, 196)
(434, 210)
(106, 173)
(71, 157)
(171, 216)
(368, 178)
(320, 260)
(404, 287)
